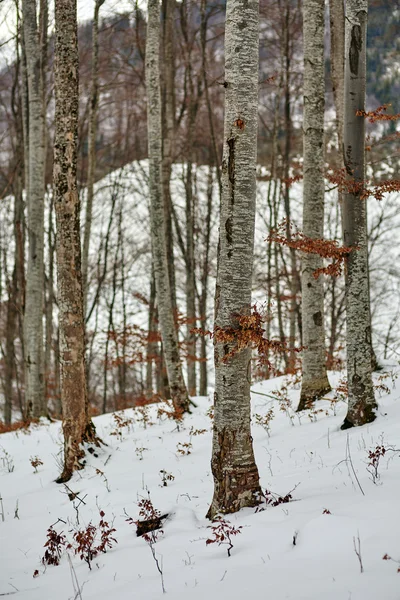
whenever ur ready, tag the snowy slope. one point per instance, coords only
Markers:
(264, 561)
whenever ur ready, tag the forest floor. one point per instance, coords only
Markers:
(343, 511)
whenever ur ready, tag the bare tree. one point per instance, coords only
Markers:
(157, 215)
(77, 425)
(336, 18)
(168, 121)
(236, 480)
(33, 320)
(94, 102)
(314, 382)
(361, 404)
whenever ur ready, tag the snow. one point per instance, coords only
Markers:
(264, 563)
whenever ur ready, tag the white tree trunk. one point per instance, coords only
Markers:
(314, 378)
(169, 332)
(33, 319)
(236, 480)
(362, 405)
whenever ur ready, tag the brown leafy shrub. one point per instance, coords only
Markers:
(222, 532)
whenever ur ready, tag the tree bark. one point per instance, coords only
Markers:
(157, 215)
(314, 378)
(236, 479)
(361, 404)
(33, 320)
(77, 426)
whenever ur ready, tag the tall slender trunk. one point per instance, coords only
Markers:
(49, 301)
(94, 101)
(293, 274)
(336, 19)
(314, 382)
(361, 404)
(157, 215)
(236, 480)
(151, 333)
(14, 303)
(203, 38)
(168, 135)
(190, 284)
(270, 223)
(204, 287)
(193, 103)
(77, 425)
(122, 364)
(33, 321)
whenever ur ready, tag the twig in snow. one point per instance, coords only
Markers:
(158, 565)
(77, 588)
(348, 460)
(357, 550)
(351, 464)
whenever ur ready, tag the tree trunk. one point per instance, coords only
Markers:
(236, 480)
(91, 148)
(168, 135)
(314, 382)
(77, 426)
(49, 302)
(336, 17)
(203, 38)
(157, 216)
(362, 404)
(204, 286)
(33, 321)
(151, 334)
(193, 105)
(293, 274)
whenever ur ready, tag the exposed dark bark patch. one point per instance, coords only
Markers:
(317, 318)
(228, 229)
(231, 167)
(355, 49)
(236, 485)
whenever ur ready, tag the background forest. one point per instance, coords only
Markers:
(124, 361)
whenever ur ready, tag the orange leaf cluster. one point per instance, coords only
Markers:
(379, 114)
(248, 332)
(328, 249)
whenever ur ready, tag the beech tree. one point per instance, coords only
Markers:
(361, 403)
(166, 311)
(236, 480)
(77, 425)
(35, 168)
(314, 378)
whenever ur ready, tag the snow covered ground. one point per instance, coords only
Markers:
(309, 453)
